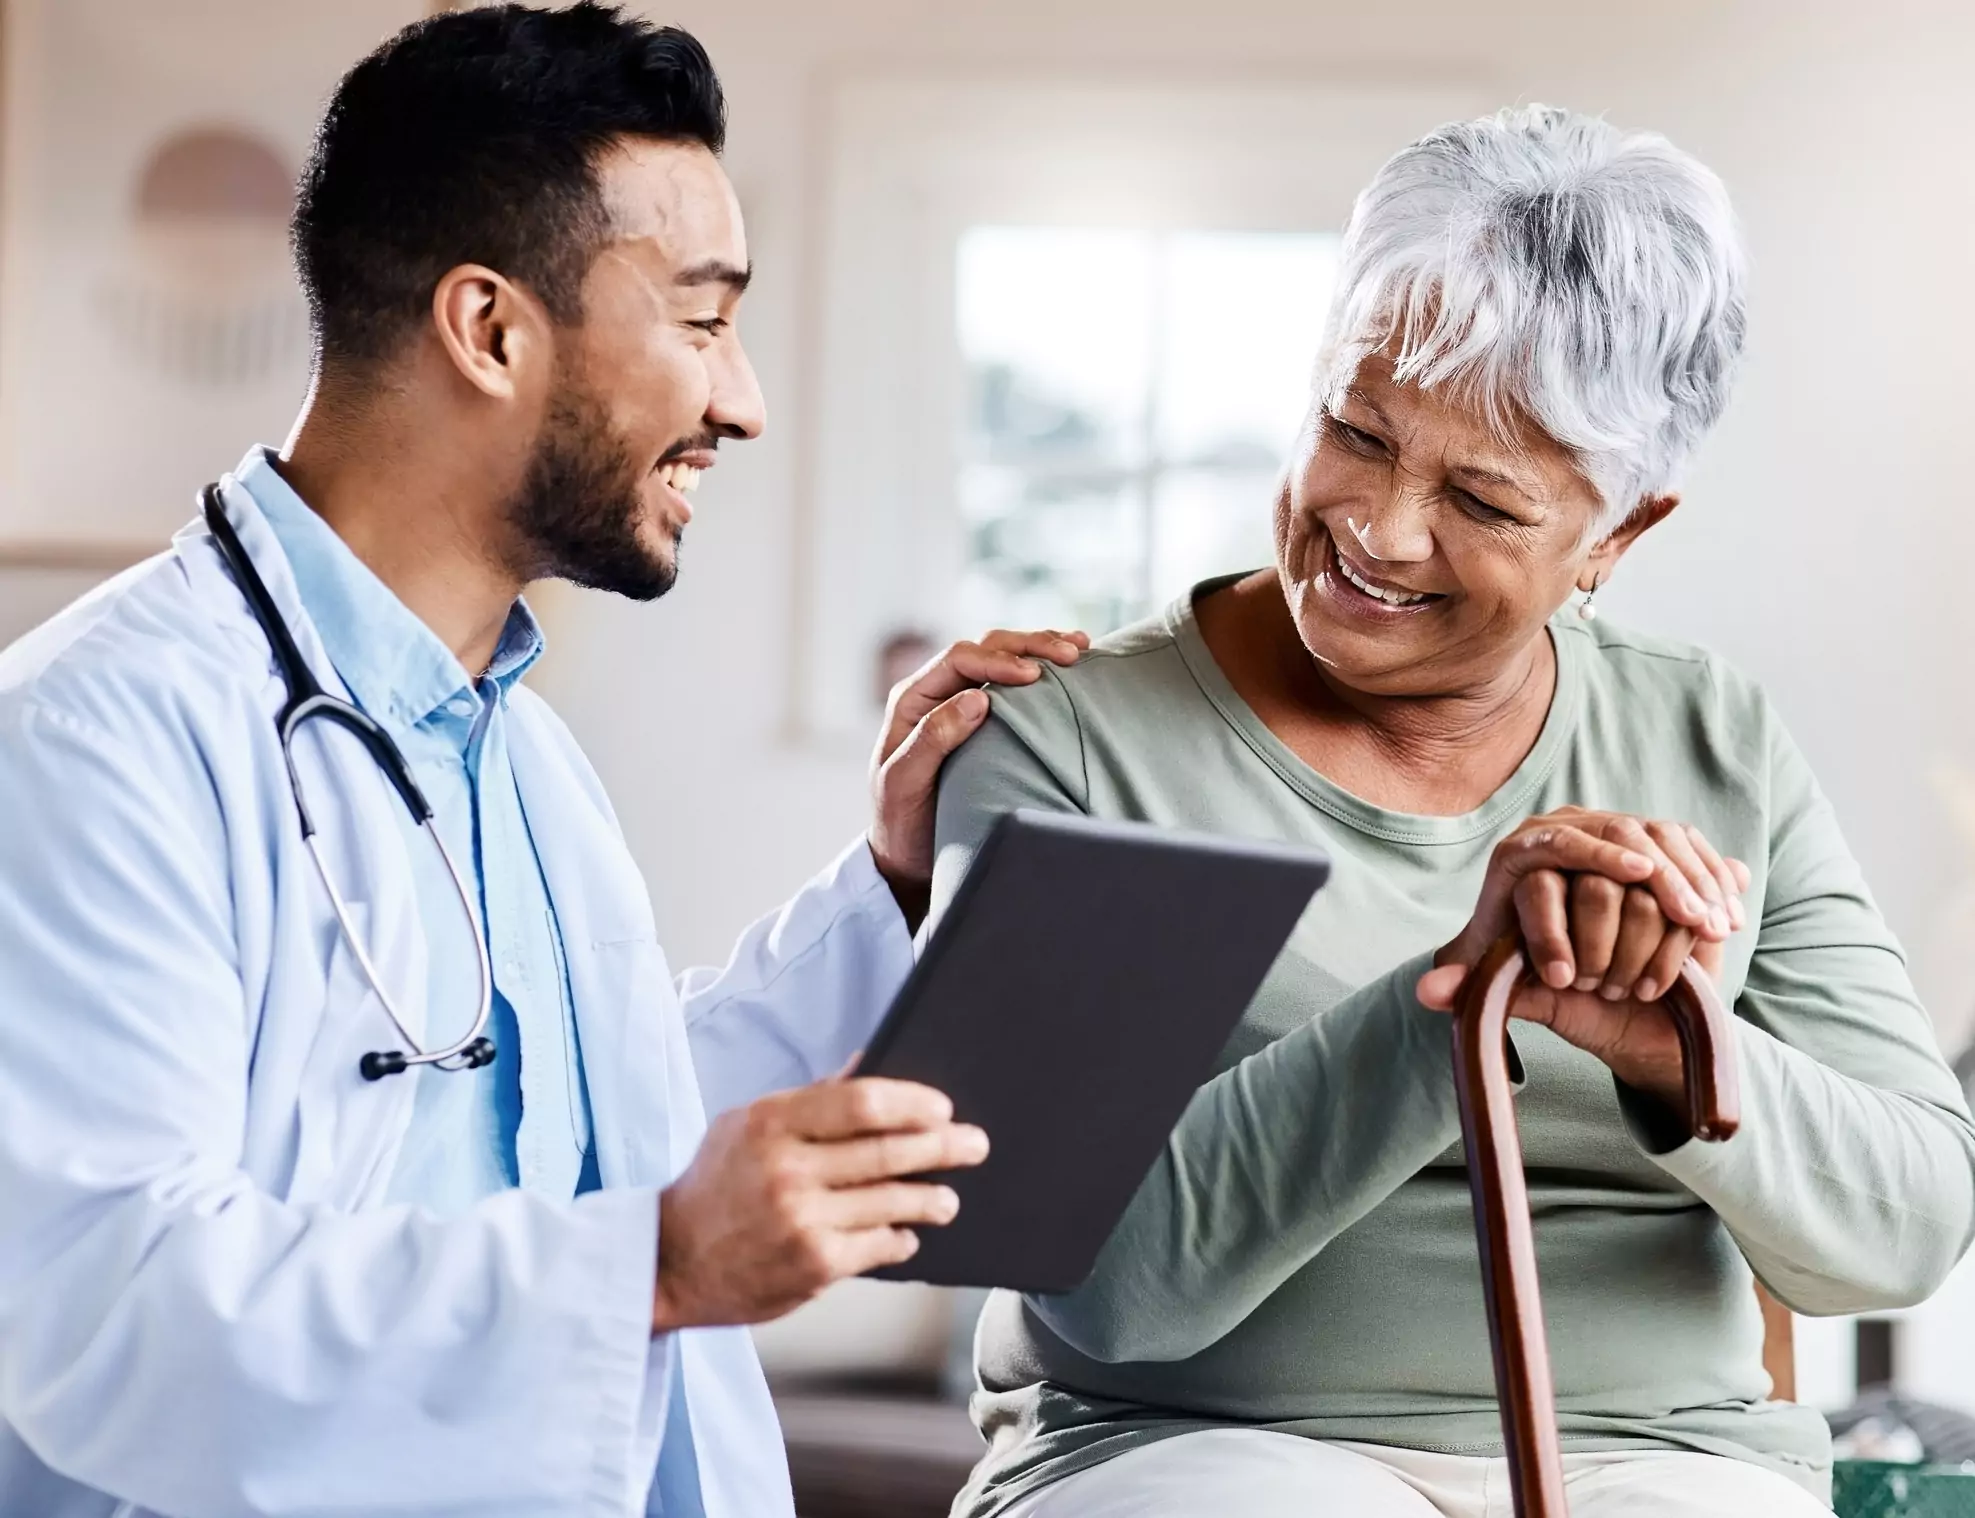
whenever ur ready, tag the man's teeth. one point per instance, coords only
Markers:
(681, 477)
(1390, 597)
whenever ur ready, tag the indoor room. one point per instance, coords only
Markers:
(1036, 294)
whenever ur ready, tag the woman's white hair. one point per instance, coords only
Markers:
(1546, 265)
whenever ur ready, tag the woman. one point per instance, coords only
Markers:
(1538, 318)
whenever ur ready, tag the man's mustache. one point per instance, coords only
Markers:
(706, 442)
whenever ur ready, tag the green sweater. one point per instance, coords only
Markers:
(1302, 1256)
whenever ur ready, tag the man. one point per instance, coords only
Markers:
(238, 1275)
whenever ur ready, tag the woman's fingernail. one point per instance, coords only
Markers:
(1612, 993)
(1647, 989)
(1557, 973)
(973, 703)
(1587, 982)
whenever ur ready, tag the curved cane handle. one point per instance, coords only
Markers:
(1501, 1197)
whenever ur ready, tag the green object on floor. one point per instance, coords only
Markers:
(1878, 1489)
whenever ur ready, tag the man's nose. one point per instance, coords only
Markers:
(734, 407)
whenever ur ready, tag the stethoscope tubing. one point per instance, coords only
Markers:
(308, 701)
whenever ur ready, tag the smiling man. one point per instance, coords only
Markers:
(354, 1155)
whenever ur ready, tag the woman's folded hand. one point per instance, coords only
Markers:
(1609, 907)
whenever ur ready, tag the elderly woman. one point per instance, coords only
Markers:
(1538, 319)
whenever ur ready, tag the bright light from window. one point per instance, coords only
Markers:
(1132, 398)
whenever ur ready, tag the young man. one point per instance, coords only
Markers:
(262, 1249)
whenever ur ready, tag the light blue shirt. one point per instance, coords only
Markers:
(525, 1119)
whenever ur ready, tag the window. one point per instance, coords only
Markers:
(1064, 338)
(1131, 397)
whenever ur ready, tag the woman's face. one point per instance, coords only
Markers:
(1418, 555)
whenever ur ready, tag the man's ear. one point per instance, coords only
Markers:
(495, 333)
(1650, 512)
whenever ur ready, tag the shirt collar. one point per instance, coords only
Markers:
(395, 666)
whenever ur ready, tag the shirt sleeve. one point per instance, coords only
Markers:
(1273, 1158)
(804, 988)
(1851, 1183)
(187, 1342)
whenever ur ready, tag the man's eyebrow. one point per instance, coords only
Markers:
(716, 271)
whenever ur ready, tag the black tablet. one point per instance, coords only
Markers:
(1072, 999)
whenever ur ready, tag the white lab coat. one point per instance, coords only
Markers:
(205, 1308)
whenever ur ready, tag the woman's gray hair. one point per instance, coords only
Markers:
(1547, 265)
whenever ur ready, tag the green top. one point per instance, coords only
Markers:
(1302, 1255)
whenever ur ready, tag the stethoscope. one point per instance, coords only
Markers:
(307, 700)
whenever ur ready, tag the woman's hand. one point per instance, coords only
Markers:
(1609, 907)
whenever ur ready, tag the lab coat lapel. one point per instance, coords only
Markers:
(349, 1129)
(619, 983)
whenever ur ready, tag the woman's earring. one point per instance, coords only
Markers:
(1587, 609)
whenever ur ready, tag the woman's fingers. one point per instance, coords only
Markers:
(1594, 922)
(1732, 884)
(1664, 967)
(1559, 846)
(1677, 895)
(1542, 913)
(1642, 926)
(1678, 842)
(1549, 846)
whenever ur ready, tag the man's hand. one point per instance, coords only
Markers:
(800, 1189)
(926, 719)
(1609, 907)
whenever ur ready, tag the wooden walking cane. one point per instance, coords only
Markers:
(1501, 1199)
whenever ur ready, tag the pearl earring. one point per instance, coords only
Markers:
(1587, 609)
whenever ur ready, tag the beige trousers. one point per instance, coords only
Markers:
(1251, 1473)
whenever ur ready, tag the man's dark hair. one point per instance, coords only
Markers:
(473, 137)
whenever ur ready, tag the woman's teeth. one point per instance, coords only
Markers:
(681, 477)
(1390, 597)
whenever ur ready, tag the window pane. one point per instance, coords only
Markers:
(1050, 550)
(1132, 397)
(1053, 330)
(1240, 317)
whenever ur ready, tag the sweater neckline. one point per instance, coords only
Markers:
(1511, 799)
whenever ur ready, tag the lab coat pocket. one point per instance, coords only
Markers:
(350, 1128)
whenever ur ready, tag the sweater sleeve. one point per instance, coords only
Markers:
(1273, 1158)
(1851, 1184)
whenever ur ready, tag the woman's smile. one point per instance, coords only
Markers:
(1355, 590)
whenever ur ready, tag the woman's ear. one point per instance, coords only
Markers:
(494, 332)
(1650, 512)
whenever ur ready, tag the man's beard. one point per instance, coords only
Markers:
(578, 508)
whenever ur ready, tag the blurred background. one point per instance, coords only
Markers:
(1039, 282)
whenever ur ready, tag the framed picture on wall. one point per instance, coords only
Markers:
(150, 328)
